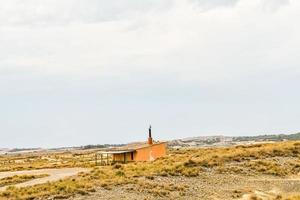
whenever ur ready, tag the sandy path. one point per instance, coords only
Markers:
(54, 175)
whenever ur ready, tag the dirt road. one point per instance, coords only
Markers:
(54, 175)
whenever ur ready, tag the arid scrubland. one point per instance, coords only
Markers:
(42, 160)
(19, 179)
(198, 173)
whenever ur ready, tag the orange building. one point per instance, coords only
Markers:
(147, 151)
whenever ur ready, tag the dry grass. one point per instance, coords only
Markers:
(19, 179)
(296, 197)
(29, 161)
(278, 197)
(279, 159)
(158, 189)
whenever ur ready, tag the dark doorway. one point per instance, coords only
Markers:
(131, 155)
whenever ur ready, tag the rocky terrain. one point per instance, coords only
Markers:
(207, 186)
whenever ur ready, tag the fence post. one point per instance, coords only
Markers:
(96, 159)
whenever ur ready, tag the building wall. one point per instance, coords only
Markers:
(144, 154)
(150, 153)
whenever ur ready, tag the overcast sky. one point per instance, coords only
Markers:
(77, 72)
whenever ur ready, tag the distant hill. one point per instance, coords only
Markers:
(220, 140)
(200, 141)
(217, 140)
(279, 137)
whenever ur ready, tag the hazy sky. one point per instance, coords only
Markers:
(76, 72)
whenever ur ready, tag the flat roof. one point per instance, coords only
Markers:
(139, 145)
(129, 148)
(116, 151)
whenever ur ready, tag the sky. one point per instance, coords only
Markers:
(78, 72)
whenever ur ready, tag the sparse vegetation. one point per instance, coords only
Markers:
(19, 179)
(276, 159)
(297, 197)
(29, 161)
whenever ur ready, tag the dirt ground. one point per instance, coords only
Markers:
(205, 187)
(54, 175)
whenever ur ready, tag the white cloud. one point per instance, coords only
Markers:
(81, 36)
(274, 5)
(62, 12)
(181, 62)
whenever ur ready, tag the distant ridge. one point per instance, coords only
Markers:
(199, 141)
(279, 137)
(219, 140)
